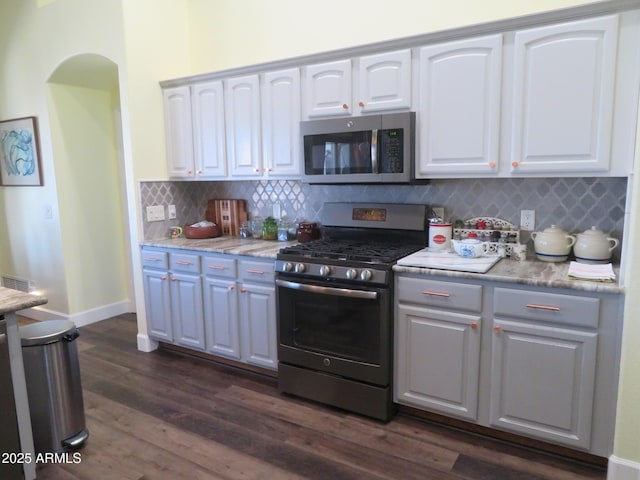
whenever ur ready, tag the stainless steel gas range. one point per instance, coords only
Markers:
(335, 306)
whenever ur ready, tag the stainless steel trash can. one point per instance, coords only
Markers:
(52, 373)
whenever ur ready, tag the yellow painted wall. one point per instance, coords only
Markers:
(234, 33)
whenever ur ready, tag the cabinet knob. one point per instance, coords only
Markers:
(361, 104)
(243, 290)
(199, 172)
(474, 326)
(231, 287)
(492, 164)
(189, 172)
(163, 278)
(497, 329)
(345, 106)
(257, 170)
(515, 164)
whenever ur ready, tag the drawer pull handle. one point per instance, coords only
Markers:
(216, 267)
(258, 272)
(151, 259)
(497, 329)
(183, 263)
(543, 307)
(436, 294)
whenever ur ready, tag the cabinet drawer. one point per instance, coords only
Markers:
(185, 262)
(459, 296)
(256, 271)
(155, 259)
(219, 267)
(548, 307)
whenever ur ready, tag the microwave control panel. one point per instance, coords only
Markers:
(390, 145)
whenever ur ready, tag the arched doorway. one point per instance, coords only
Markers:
(84, 105)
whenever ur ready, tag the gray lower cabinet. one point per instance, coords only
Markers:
(222, 325)
(438, 346)
(157, 294)
(186, 300)
(258, 312)
(535, 361)
(217, 303)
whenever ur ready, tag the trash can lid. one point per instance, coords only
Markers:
(42, 333)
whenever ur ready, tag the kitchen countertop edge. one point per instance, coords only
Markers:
(226, 245)
(529, 272)
(15, 300)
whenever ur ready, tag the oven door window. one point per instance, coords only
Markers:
(338, 326)
(339, 153)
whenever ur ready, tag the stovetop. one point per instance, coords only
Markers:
(338, 250)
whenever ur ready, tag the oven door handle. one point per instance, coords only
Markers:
(338, 292)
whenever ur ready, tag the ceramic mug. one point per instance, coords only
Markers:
(175, 232)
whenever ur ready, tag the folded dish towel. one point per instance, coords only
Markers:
(598, 273)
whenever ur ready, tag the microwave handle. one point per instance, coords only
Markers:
(338, 292)
(374, 151)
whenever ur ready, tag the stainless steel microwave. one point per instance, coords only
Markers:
(367, 149)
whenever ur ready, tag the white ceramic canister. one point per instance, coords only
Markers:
(593, 246)
(440, 236)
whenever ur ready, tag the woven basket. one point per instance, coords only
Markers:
(201, 232)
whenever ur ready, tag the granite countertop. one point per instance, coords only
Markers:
(528, 272)
(229, 245)
(14, 300)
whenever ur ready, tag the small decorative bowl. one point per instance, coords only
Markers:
(201, 232)
(469, 247)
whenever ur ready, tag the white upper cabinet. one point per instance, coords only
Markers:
(281, 143)
(328, 89)
(242, 110)
(208, 128)
(563, 93)
(459, 114)
(178, 132)
(384, 82)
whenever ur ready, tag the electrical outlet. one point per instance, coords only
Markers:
(277, 212)
(171, 212)
(528, 220)
(438, 212)
(155, 213)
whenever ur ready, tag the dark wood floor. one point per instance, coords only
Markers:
(161, 415)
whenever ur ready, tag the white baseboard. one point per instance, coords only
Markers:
(145, 344)
(82, 318)
(621, 469)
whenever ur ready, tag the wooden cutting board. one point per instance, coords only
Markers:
(228, 214)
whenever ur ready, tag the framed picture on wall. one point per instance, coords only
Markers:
(20, 152)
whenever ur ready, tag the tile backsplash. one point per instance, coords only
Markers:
(574, 204)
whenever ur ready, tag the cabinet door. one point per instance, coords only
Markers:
(460, 98)
(242, 110)
(437, 360)
(328, 89)
(281, 142)
(563, 97)
(186, 310)
(209, 130)
(178, 132)
(542, 381)
(221, 317)
(158, 304)
(258, 318)
(385, 81)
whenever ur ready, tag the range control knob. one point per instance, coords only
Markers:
(351, 273)
(287, 267)
(366, 275)
(300, 268)
(325, 270)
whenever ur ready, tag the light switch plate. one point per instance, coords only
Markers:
(155, 213)
(171, 212)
